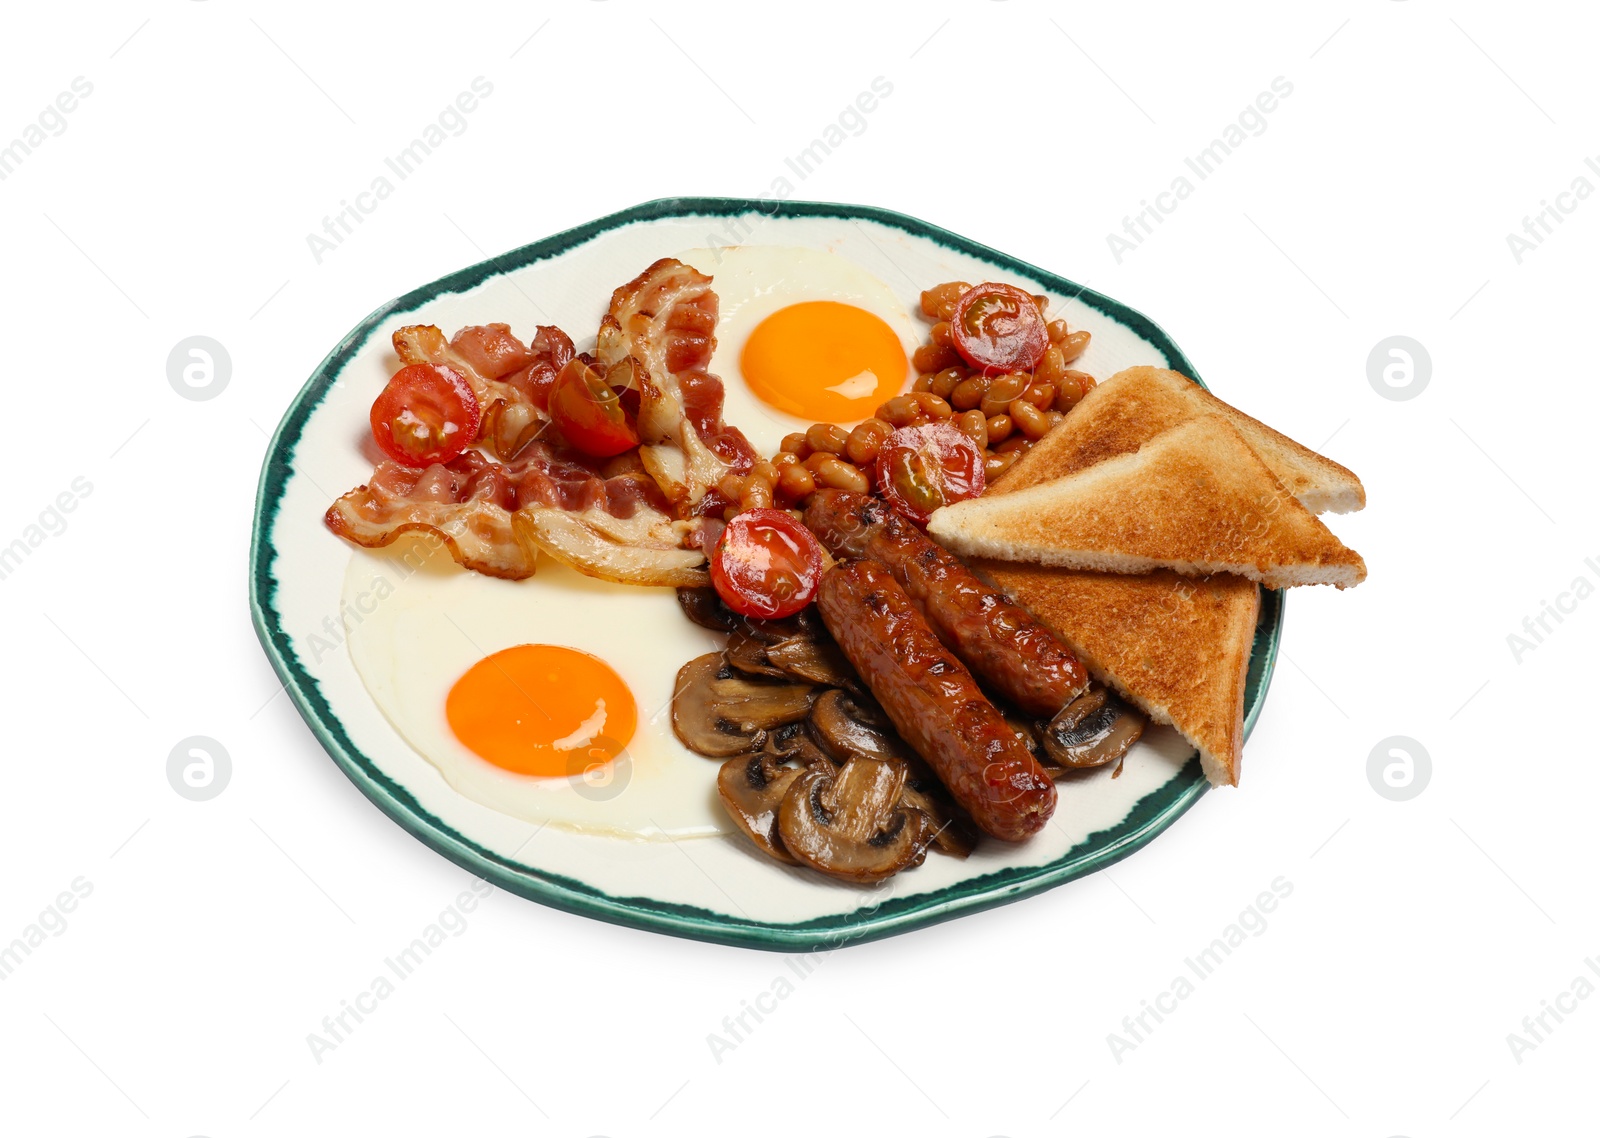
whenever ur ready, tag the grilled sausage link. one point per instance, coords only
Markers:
(1020, 658)
(934, 702)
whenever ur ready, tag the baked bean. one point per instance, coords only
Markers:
(841, 476)
(783, 460)
(1028, 418)
(795, 444)
(969, 393)
(730, 486)
(1074, 386)
(815, 460)
(1041, 395)
(974, 426)
(940, 335)
(900, 411)
(862, 446)
(922, 383)
(764, 472)
(997, 464)
(999, 427)
(1056, 330)
(1051, 367)
(932, 406)
(827, 437)
(1042, 302)
(946, 381)
(934, 357)
(1016, 444)
(939, 302)
(1002, 391)
(730, 512)
(1074, 345)
(757, 495)
(1054, 417)
(796, 482)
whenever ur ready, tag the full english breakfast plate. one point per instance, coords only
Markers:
(627, 570)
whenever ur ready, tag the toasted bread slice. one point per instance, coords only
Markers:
(1195, 499)
(1177, 647)
(1136, 405)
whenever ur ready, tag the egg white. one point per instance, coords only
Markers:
(415, 622)
(754, 281)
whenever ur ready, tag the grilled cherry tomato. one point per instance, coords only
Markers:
(766, 564)
(923, 468)
(589, 412)
(997, 328)
(427, 414)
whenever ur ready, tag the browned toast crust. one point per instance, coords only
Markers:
(1134, 406)
(1195, 499)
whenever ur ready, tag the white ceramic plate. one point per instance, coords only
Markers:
(712, 888)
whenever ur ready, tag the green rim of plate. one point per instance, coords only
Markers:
(1149, 816)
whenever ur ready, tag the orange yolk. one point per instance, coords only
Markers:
(824, 361)
(541, 709)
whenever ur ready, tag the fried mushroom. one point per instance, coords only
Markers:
(704, 607)
(718, 713)
(852, 824)
(1093, 735)
(849, 728)
(748, 654)
(792, 743)
(815, 660)
(752, 788)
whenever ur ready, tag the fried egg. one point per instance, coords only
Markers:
(547, 699)
(803, 336)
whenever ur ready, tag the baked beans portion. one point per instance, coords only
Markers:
(1002, 414)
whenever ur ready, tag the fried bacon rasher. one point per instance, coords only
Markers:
(665, 319)
(494, 517)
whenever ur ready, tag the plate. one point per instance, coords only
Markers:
(713, 888)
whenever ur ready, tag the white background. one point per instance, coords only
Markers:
(1377, 202)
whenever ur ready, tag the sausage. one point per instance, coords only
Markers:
(1019, 658)
(934, 702)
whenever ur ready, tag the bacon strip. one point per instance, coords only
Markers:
(465, 503)
(666, 318)
(470, 502)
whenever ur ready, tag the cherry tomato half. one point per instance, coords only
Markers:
(427, 414)
(997, 328)
(923, 468)
(590, 413)
(766, 564)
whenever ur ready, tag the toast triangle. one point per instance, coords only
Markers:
(1195, 499)
(1176, 647)
(1133, 406)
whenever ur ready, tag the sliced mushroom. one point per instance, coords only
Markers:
(792, 743)
(815, 660)
(852, 824)
(804, 624)
(706, 609)
(748, 654)
(1077, 740)
(1092, 700)
(717, 712)
(848, 728)
(949, 829)
(752, 788)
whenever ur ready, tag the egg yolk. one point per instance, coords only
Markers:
(541, 709)
(824, 361)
